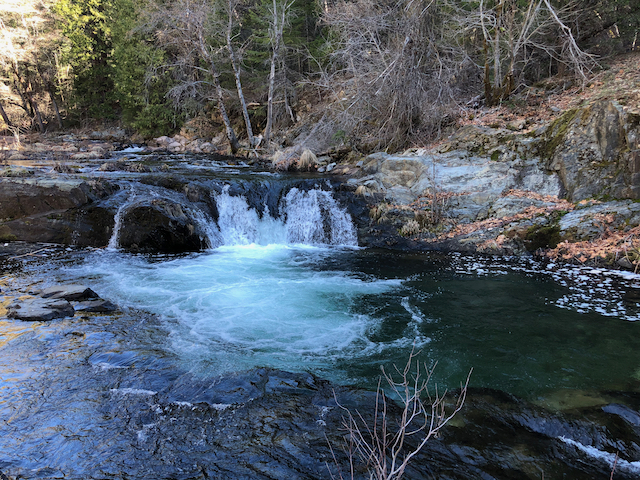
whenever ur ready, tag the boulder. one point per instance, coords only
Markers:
(92, 155)
(40, 309)
(69, 292)
(160, 226)
(111, 134)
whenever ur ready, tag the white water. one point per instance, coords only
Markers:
(306, 217)
(236, 307)
(259, 299)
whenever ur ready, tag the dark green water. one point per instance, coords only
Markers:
(528, 329)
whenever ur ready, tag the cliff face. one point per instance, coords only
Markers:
(493, 190)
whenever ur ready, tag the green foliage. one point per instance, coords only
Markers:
(110, 61)
(87, 26)
(141, 95)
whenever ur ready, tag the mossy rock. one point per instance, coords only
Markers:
(555, 134)
(542, 236)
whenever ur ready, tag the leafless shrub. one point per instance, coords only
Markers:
(412, 227)
(383, 444)
(283, 160)
(508, 39)
(391, 76)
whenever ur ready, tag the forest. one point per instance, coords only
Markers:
(375, 74)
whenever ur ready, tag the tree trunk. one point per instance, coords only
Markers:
(272, 77)
(56, 109)
(233, 140)
(25, 105)
(275, 40)
(236, 71)
(37, 114)
(5, 117)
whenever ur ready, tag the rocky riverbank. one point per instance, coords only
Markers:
(91, 396)
(566, 190)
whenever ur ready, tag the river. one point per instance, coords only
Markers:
(291, 290)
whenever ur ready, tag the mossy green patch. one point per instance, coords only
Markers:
(556, 133)
(542, 236)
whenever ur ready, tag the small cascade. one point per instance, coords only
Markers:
(236, 215)
(113, 241)
(240, 224)
(311, 217)
(314, 217)
(140, 195)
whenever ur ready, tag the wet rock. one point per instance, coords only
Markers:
(40, 309)
(89, 226)
(55, 210)
(21, 197)
(160, 226)
(96, 306)
(69, 292)
(628, 414)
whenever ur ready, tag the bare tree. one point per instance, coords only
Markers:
(392, 75)
(514, 36)
(278, 20)
(183, 28)
(29, 43)
(231, 6)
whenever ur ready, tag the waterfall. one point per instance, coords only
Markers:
(240, 224)
(113, 241)
(310, 217)
(117, 219)
(314, 217)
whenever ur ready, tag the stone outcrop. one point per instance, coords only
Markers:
(596, 152)
(160, 225)
(55, 210)
(496, 191)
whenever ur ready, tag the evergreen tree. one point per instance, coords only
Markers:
(87, 26)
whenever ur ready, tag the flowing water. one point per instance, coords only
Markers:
(284, 285)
